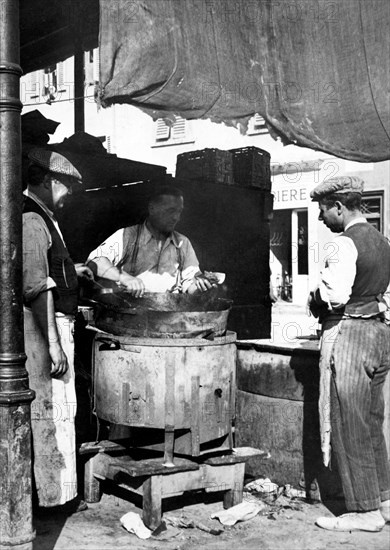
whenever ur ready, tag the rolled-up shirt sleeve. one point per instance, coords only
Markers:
(190, 264)
(339, 274)
(36, 243)
(111, 248)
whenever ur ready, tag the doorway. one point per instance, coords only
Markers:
(300, 255)
(280, 255)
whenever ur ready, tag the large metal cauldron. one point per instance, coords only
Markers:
(183, 386)
(163, 315)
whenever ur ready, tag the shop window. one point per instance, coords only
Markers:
(176, 134)
(372, 208)
(280, 244)
(256, 126)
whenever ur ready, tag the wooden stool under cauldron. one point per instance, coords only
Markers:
(154, 481)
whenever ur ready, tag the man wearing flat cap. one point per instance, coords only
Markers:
(50, 303)
(355, 356)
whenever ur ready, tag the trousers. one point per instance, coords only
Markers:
(358, 361)
(52, 414)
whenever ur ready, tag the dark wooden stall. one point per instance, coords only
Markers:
(228, 226)
(229, 229)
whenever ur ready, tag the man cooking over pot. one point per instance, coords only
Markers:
(152, 256)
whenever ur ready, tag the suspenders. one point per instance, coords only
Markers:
(134, 254)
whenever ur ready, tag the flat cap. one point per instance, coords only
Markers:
(54, 162)
(342, 184)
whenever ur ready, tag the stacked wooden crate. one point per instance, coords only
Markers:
(246, 166)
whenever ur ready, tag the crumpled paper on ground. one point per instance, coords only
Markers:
(186, 523)
(262, 485)
(134, 524)
(240, 512)
(291, 492)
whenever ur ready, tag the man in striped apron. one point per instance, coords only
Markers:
(351, 301)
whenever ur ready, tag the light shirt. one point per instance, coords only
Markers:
(157, 263)
(36, 243)
(340, 271)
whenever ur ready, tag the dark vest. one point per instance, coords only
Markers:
(372, 269)
(61, 266)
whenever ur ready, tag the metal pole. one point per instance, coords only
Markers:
(16, 529)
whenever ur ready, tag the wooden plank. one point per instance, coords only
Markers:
(100, 447)
(218, 478)
(170, 404)
(181, 482)
(236, 456)
(151, 509)
(92, 489)
(150, 466)
(169, 444)
(124, 404)
(170, 398)
(195, 415)
(234, 495)
(232, 406)
(210, 478)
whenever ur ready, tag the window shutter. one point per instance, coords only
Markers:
(258, 120)
(257, 125)
(179, 128)
(163, 131)
(42, 82)
(88, 67)
(96, 65)
(33, 85)
(60, 74)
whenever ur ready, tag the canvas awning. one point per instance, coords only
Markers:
(317, 71)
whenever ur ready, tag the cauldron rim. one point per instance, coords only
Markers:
(123, 302)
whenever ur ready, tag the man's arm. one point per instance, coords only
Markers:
(386, 298)
(102, 262)
(337, 278)
(192, 278)
(38, 285)
(83, 271)
(44, 315)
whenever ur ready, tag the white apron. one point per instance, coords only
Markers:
(52, 414)
(330, 331)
